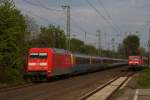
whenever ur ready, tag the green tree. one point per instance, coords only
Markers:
(50, 36)
(89, 49)
(12, 45)
(77, 45)
(80, 47)
(32, 29)
(142, 51)
(131, 45)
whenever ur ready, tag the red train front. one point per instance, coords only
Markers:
(137, 62)
(48, 62)
(134, 60)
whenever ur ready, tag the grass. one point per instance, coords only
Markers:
(143, 80)
(120, 92)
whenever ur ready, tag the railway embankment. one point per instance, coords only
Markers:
(143, 79)
(137, 88)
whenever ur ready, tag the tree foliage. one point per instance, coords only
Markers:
(91, 50)
(77, 45)
(50, 36)
(32, 28)
(80, 47)
(131, 45)
(12, 31)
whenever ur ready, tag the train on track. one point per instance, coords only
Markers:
(49, 62)
(137, 62)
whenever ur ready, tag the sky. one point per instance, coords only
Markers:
(114, 18)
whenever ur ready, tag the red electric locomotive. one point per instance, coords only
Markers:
(47, 62)
(137, 62)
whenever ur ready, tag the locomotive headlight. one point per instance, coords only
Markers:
(31, 64)
(43, 64)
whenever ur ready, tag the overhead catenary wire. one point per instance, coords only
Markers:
(102, 5)
(40, 17)
(101, 15)
(58, 15)
(72, 19)
(47, 20)
(57, 12)
(108, 15)
(41, 5)
(79, 27)
(47, 8)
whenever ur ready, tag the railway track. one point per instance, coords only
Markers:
(64, 89)
(96, 93)
(10, 88)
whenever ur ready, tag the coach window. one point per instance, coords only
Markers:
(87, 61)
(78, 60)
(94, 61)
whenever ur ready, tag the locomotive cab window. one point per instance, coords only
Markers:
(38, 55)
(134, 58)
(43, 55)
(34, 55)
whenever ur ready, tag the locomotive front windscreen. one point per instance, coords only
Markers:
(134, 58)
(38, 55)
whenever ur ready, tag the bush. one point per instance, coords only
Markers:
(10, 76)
(144, 79)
